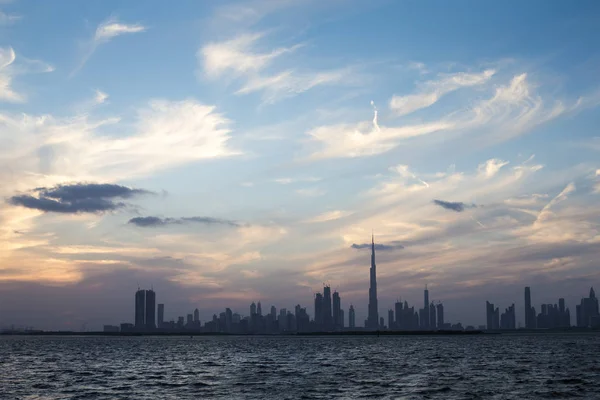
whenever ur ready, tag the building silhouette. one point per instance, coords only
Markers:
(140, 309)
(338, 321)
(351, 317)
(373, 313)
(492, 316)
(327, 308)
(588, 315)
(150, 314)
(390, 319)
(318, 312)
(529, 311)
(508, 319)
(440, 316)
(432, 317)
(161, 316)
(425, 317)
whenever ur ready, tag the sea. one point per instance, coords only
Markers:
(508, 366)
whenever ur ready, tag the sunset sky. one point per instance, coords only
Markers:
(228, 152)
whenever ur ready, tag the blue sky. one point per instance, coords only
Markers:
(230, 152)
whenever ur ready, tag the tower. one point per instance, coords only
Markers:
(425, 321)
(337, 311)
(528, 312)
(259, 309)
(327, 317)
(351, 317)
(373, 315)
(140, 308)
(161, 315)
(150, 310)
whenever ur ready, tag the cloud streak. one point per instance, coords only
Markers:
(457, 206)
(395, 245)
(152, 222)
(77, 198)
(430, 92)
(105, 32)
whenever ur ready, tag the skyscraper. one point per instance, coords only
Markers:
(440, 316)
(150, 310)
(432, 316)
(319, 311)
(259, 309)
(373, 315)
(327, 317)
(196, 316)
(351, 317)
(252, 309)
(398, 324)
(529, 313)
(140, 308)
(337, 311)
(425, 321)
(161, 315)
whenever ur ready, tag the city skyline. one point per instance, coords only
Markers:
(235, 151)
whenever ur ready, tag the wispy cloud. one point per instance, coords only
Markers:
(105, 32)
(8, 19)
(512, 110)
(311, 192)
(287, 181)
(431, 91)
(329, 216)
(149, 222)
(241, 57)
(163, 134)
(100, 97)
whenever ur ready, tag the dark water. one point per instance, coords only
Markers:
(433, 367)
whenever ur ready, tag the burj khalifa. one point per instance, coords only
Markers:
(373, 317)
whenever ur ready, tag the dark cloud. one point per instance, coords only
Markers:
(457, 206)
(149, 222)
(379, 246)
(77, 198)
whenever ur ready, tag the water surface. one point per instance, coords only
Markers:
(546, 366)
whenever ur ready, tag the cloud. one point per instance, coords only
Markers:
(240, 58)
(513, 109)
(8, 19)
(77, 198)
(430, 92)
(148, 222)
(162, 135)
(453, 205)
(491, 167)
(379, 246)
(105, 32)
(287, 181)
(112, 28)
(329, 216)
(7, 57)
(310, 192)
(100, 97)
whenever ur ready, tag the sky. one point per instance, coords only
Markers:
(229, 152)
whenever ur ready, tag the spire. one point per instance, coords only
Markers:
(592, 293)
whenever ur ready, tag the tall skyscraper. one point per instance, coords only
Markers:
(140, 309)
(337, 311)
(425, 321)
(440, 316)
(319, 311)
(150, 310)
(252, 309)
(398, 314)
(351, 317)
(529, 313)
(432, 316)
(273, 313)
(259, 309)
(161, 315)
(327, 317)
(196, 316)
(373, 315)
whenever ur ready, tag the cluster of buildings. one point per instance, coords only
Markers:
(330, 317)
(551, 316)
